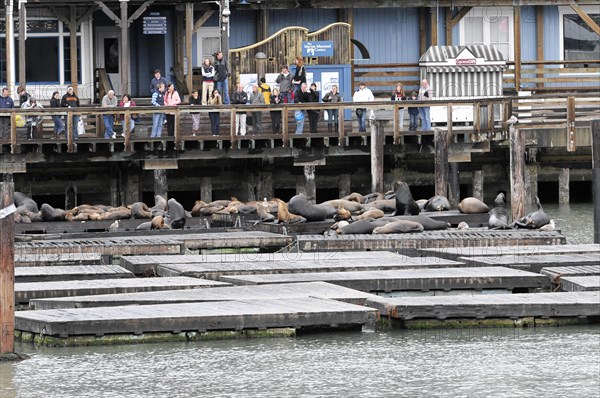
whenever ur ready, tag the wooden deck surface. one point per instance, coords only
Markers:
(251, 292)
(27, 291)
(410, 279)
(535, 263)
(33, 260)
(580, 283)
(219, 315)
(69, 272)
(221, 240)
(574, 270)
(454, 253)
(409, 243)
(543, 305)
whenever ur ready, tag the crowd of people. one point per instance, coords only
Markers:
(289, 88)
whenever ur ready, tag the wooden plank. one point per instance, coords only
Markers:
(516, 251)
(511, 306)
(30, 260)
(235, 240)
(595, 127)
(27, 291)
(69, 272)
(535, 263)
(575, 270)
(517, 45)
(580, 283)
(220, 315)
(585, 17)
(253, 292)
(539, 34)
(440, 141)
(517, 170)
(409, 279)
(189, 31)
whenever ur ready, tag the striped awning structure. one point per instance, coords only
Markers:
(443, 53)
(465, 69)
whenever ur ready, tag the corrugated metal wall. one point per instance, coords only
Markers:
(310, 18)
(551, 34)
(242, 30)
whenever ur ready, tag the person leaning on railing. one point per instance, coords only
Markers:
(277, 99)
(127, 102)
(215, 117)
(158, 99)
(59, 125)
(240, 97)
(171, 99)
(362, 95)
(6, 102)
(313, 114)
(71, 100)
(425, 93)
(256, 98)
(332, 114)
(32, 121)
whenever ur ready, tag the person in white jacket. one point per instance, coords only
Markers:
(362, 95)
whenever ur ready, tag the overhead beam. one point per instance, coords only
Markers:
(586, 18)
(124, 50)
(189, 27)
(86, 14)
(109, 12)
(140, 11)
(202, 20)
(434, 26)
(539, 27)
(461, 14)
(22, 35)
(59, 14)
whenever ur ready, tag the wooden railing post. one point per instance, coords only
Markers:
(396, 120)
(284, 127)
(177, 129)
(440, 141)
(377, 142)
(571, 141)
(341, 133)
(13, 133)
(232, 128)
(517, 168)
(126, 131)
(69, 132)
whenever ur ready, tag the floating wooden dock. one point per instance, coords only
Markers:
(411, 243)
(580, 283)
(512, 306)
(574, 270)
(27, 291)
(226, 240)
(33, 260)
(69, 272)
(410, 279)
(453, 253)
(252, 292)
(535, 263)
(294, 313)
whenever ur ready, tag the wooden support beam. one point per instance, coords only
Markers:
(539, 29)
(59, 15)
(449, 26)
(571, 138)
(478, 184)
(7, 265)
(124, 49)
(461, 14)
(141, 9)
(73, 45)
(341, 127)
(206, 189)
(189, 27)
(453, 184)
(262, 25)
(434, 26)
(108, 12)
(202, 20)
(160, 183)
(586, 18)
(9, 43)
(422, 35)
(86, 14)
(517, 169)
(22, 34)
(517, 45)
(440, 141)
(596, 177)
(377, 155)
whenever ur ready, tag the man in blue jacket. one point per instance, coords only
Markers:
(6, 102)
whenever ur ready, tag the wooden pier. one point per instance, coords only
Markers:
(252, 292)
(535, 263)
(27, 291)
(575, 270)
(580, 283)
(410, 279)
(454, 253)
(33, 260)
(69, 272)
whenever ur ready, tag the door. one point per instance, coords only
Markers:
(208, 41)
(108, 55)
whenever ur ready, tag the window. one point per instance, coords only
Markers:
(491, 26)
(579, 41)
(208, 42)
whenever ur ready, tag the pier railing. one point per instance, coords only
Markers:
(484, 116)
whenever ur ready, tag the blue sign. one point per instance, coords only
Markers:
(155, 24)
(317, 49)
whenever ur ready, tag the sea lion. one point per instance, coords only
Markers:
(535, 219)
(160, 204)
(499, 214)
(284, 216)
(405, 204)
(218, 203)
(176, 214)
(349, 205)
(462, 226)
(364, 226)
(158, 222)
(24, 203)
(49, 213)
(421, 203)
(116, 214)
(373, 197)
(342, 214)
(198, 206)
(428, 224)
(399, 227)
(243, 209)
(354, 197)
(472, 205)
(385, 205)
(140, 210)
(263, 214)
(373, 213)
(437, 203)
(300, 205)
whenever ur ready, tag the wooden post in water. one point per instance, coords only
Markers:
(563, 186)
(478, 184)
(517, 167)
(377, 141)
(345, 185)
(454, 185)
(206, 189)
(440, 140)
(310, 183)
(160, 183)
(7, 267)
(596, 177)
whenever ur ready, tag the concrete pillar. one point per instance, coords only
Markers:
(160, 183)
(265, 184)
(206, 189)
(300, 185)
(115, 195)
(531, 183)
(133, 188)
(248, 193)
(478, 184)
(563, 186)
(309, 181)
(70, 196)
(345, 185)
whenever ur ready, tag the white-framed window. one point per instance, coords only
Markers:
(490, 25)
(576, 40)
(208, 41)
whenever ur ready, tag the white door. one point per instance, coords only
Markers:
(108, 55)
(209, 42)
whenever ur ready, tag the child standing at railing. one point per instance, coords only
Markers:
(413, 113)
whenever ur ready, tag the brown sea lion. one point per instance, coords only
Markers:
(158, 222)
(372, 197)
(117, 214)
(373, 213)
(263, 214)
(472, 205)
(243, 209)
(218, 203)
(140, 210)
(284, 216)
(399, 227)
(405, 204)
(364, 226)
(197, 209)
(49, 213)
(342, 214)
(354, 197)
(349, 205)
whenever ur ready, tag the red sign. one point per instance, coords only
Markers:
(470, 61)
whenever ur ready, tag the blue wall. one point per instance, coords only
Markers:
(310, 18)
(390, 34)
(242, 31)
(528, 34)
(551, 35)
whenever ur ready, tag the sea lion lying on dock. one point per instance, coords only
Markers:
(349, 205)
(535, 219)
(354, 197)
(300, 205)
(429, 224)
(284, 216)
(364, 226)
(49, 213)
(437, 203)
(140, 210)
(399, 227)
(385, 205)
(176, 214)
(472, 205)
(24, 203)
(372, 213)
(342, 214)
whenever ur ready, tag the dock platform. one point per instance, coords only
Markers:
(27, 291)
(573, 270)
(410, 279)
(580, 283)
(517, 251)
(34, 260)
(251, 292)
(535, 263)
(69, 273)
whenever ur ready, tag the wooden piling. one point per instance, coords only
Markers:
(345, 185)
(377, 141)
(310, 184)
(563, 186)
(440, 141)
(517, 167)
(596, 177)
(454, 185)
(160, 182)
(206, 189)
(478, 184)
(7, 269)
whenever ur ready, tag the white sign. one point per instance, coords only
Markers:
(7, 211)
